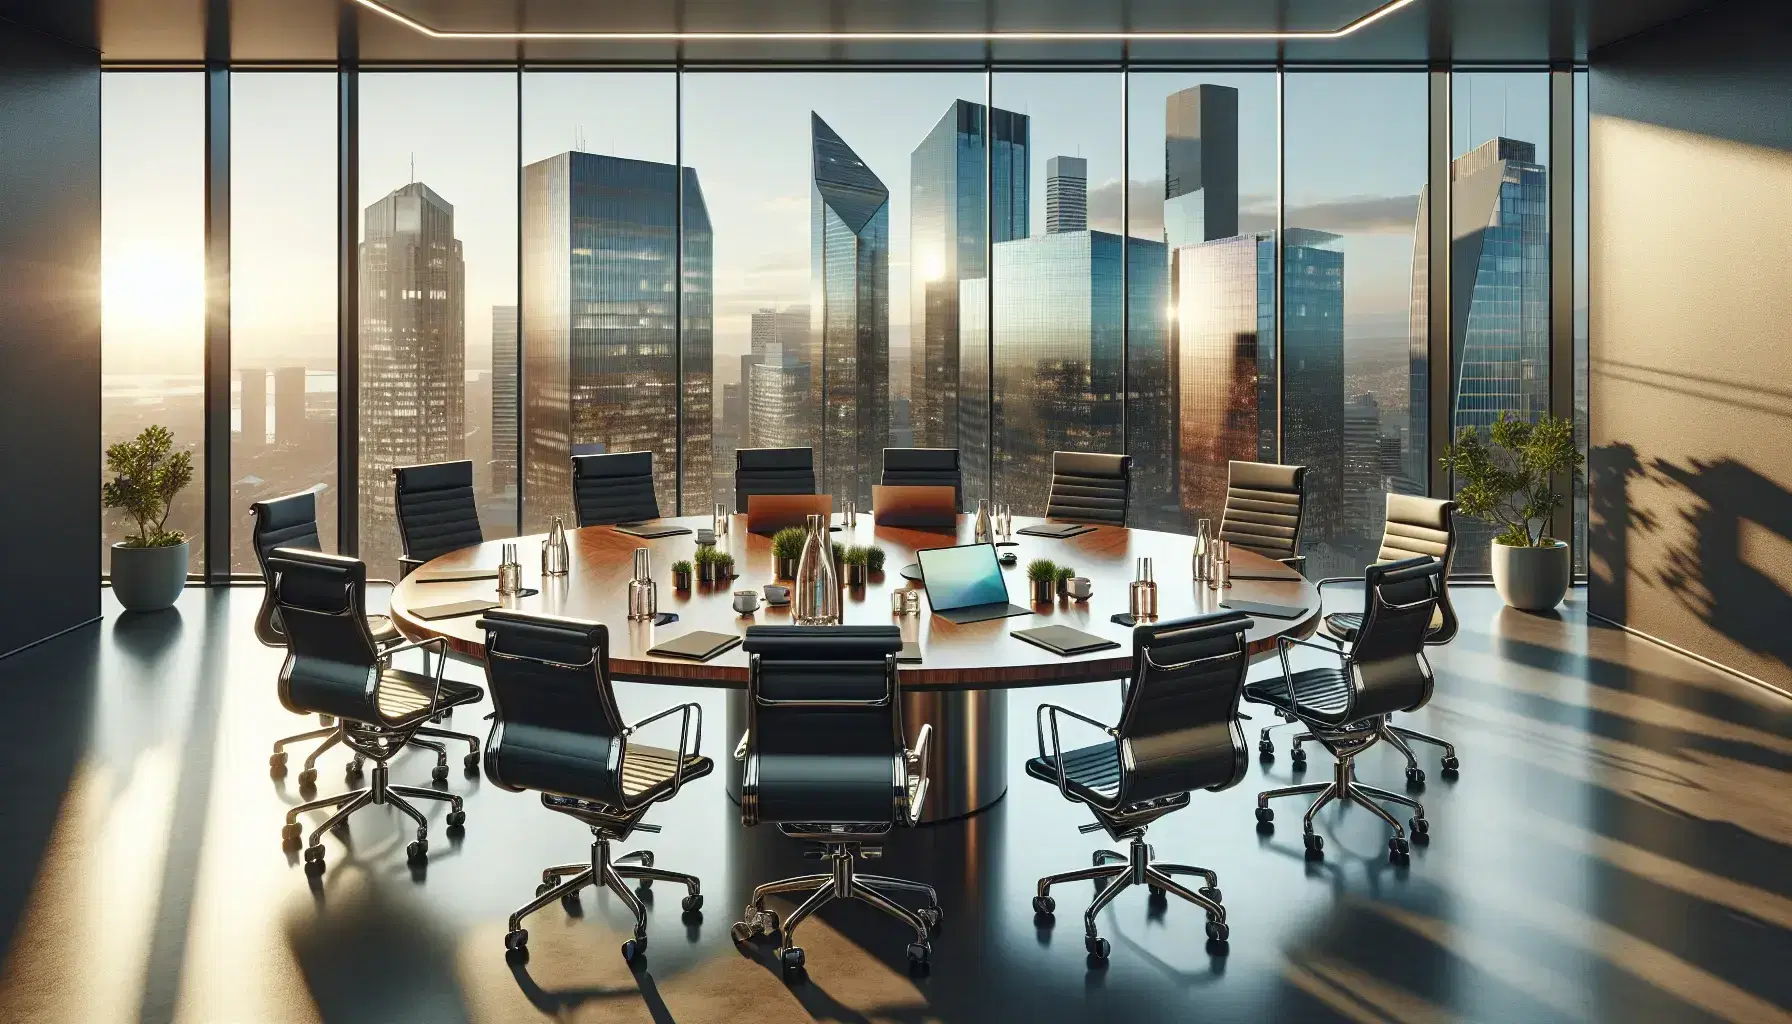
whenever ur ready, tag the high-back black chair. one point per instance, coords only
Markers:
(1383, 671)
(1088, 487)
(827, 760)
(437, 511)
(922, 467)
(1266, 506)
(615, 488)
(1178, 732)
(334, 667)
(772, 471)
(557, 731)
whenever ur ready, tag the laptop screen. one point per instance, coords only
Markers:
(962, 577)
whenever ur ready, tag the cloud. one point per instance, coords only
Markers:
(1365, 215)
(1362, 215)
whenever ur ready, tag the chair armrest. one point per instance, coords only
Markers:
(406, 566)
(685, 711)
(441, 646)
(1282, 645)
(740, 749)
(917, 763)
(1050, 712)
(1296, 562)
(375, 581)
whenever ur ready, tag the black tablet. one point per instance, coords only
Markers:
(1064, 640)
(697, 645)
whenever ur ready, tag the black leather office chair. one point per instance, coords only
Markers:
(1415, 526)
(437, 511)
(1090, 488)
(772, 471)
(826, 759)
(920, 467)
(557, 731)
(1266, 506)
(1383, 671)
(1178, 732)
(615, 488)
(333, 667)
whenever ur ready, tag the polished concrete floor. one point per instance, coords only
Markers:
(1617, 848)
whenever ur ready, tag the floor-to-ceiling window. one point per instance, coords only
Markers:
(1499, 265)
(1354, 327)
(1201, 338)
(1581, 302)
(437, 264)
(283, 312)
(152, 277)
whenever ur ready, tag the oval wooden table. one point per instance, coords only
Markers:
(962, 683)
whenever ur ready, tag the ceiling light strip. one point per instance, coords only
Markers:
(1359, 24)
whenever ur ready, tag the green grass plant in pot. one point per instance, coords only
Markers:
(1042, 576)
(853, 565)
(787, 547)
(1504, 479)
(149, 567)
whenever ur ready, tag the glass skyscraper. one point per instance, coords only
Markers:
(1200, 165)
(1313, 375)
(849, 309)
(413, 352)
(504, 401)
(600, 331)
(948, 224)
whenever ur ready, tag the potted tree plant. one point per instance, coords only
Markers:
(854, 564)
(681, 574)
(1041, 576)
(787, 547)
(150, 566)
(1507, 483)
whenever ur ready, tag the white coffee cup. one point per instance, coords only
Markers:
(777, 593)
(1079, 587)
(746, 602)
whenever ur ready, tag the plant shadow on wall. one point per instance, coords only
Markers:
(1611, 517)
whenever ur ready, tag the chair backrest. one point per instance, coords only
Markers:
(332, 663)
(772, 471)
(1425, 526)
(920, 467)
(1387, 667)
(1088, 487)
(824, 726)
(289, 522)
(437, 511)
(614, 488)
(1180, 721)
(1265, 506)
(556, 727)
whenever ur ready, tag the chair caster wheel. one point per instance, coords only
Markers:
(1415, 776)
(1452, 765)
(417, 851)
(1157, 891)
(289, 833)
(517, 940)
(740, 932)
(1044, 905)
(1266, 815)
(919, 953)
(1266, 750)
(314, 860)
(1217, 931)
(544, 888)
(791, 959)
(1315, 844)
(692, 903)
(440, 773)
(457, 818)
(643, 884)
(1096, 946)
(1297, 759)
(277, 764)
(1420, 829)
(1398, 851)
(1212, 893)
(308, 777)
(470, 762)
(931, 917)
(354, 768)
(634, 948)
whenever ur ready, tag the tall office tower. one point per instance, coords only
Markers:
(764, 330)
(1066, 194)
(601, 338)
(1313, 374)
(975, 443)
(504, 400)
(1499, 288)
(1363, 476)
(778, 395)
(291, 428)
(849, 308)
(1200, 165)
(413, 352)
(254, 403)
(1390, 459)
(949, 221)
(1058, 351)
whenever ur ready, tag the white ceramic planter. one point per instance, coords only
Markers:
(148, 579)
(1532, 579)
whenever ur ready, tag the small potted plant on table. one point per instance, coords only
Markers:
(1042, 575)
(1061, 580)
(787, 547)
(681, 574)
(706, 564)
(853, 566)
(149, 568)
(1507, 484)
(874, 561)
(724, 567)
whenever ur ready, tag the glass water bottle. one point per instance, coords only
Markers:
(817, 596)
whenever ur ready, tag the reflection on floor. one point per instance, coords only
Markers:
(1617, 848)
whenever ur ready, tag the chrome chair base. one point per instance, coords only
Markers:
(1396, 737)
(357, 763)
(563, 882)
(843, 882)
(1343, 786)
(379, 791)
(1135, 867)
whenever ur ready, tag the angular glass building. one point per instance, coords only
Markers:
(1313, 379)
(949, 222)
(504, 401)
(849, 310)
(600, 325)
(1200, 165)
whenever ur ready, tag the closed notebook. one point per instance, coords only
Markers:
(1268, 611)
(1063, 639)
(449, 611)
(697, 645)
(452, 575)
(1058, 530)
(649, 531)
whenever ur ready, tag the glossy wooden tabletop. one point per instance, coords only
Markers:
(980, 655)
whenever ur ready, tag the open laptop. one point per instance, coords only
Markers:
(964, 584)
(769, 513)
(922, 505)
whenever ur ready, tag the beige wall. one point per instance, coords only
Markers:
(1691, 345)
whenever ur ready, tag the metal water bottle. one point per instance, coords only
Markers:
(556, 556)
(643, 596)
(985, 528)
(1144, 593)
(1203, 542)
